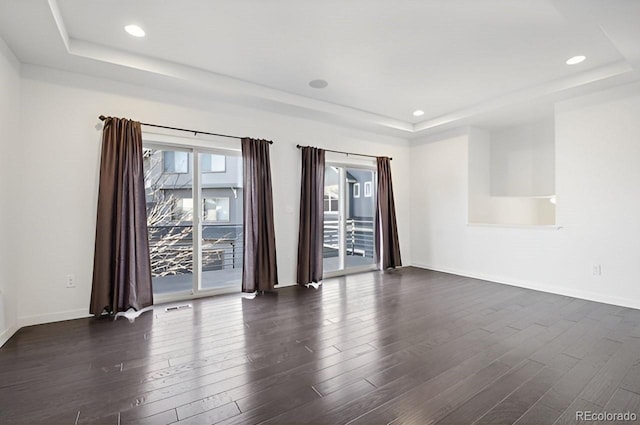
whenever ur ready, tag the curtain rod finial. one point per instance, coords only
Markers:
(102, 117)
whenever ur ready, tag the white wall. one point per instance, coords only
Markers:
(9, 157)
(61, 138)
(523, 159)
(479, 176)
(597, 177)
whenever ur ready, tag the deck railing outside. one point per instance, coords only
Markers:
(359, 238)
(171, 248)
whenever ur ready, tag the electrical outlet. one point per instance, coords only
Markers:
(597, 270)
(71, 281)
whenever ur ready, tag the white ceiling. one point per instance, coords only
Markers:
(454, 59)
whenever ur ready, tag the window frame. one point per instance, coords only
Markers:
(342, 165)
(193, 147)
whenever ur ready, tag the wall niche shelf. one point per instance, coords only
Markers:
(518, 226)
(512, 175)
(525, 196)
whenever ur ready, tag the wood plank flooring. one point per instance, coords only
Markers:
(406, 347)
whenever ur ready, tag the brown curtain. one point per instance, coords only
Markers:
(260, 271)
(310, 231)
(121, 265)
(387, 245)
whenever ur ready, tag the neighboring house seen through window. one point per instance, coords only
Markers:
(175, 162)
(183, 210)
(367, 189)
(216, 209)
(211, 163)
(330, 201)
(356, 190)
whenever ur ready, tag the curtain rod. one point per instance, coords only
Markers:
(195, 132)
(342, 152)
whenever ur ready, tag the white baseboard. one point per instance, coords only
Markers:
(8, 333)
(39, 319)
(537, 286)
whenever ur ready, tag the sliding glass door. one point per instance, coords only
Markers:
(221, 221)
(194, 220)
(349, 214)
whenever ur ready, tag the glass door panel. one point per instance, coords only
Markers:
(169, 198)
(331, 252)
(349, 214)
(360, 214)
(221, 240)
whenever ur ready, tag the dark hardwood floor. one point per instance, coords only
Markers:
(407, 347)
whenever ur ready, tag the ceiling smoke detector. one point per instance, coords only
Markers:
(318, 84)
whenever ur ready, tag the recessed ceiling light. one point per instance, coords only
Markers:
(575, 60)
(318, 84)
(418, 113)
(134, 30)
